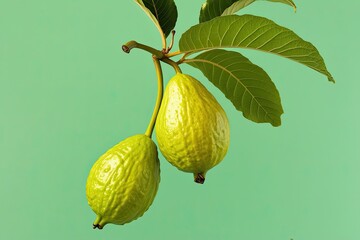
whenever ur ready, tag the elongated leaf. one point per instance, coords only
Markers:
(215, 8)
(162, 12)
(245, 84)
(252, 32)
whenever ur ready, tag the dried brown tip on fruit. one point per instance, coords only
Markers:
(97, 226)
(199, 178)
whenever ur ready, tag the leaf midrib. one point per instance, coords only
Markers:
(156, 12)
(188, 53)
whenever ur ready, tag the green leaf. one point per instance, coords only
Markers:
(245, 84)
(252, 32)
(215, 8)
(162, 12)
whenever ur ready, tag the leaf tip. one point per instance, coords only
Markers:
(276, 123)
(331, 79)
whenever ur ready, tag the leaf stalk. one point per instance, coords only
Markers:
(173, 54)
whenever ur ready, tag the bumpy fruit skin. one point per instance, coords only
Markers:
(192, 129)
(123, 182)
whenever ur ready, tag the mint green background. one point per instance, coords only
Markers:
(68, 93)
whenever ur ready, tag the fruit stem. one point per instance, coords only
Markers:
(159, 75)
(172, 63)
(127, 47)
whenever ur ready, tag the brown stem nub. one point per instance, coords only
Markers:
(125, 49)
(199, 178)
(97, 226)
